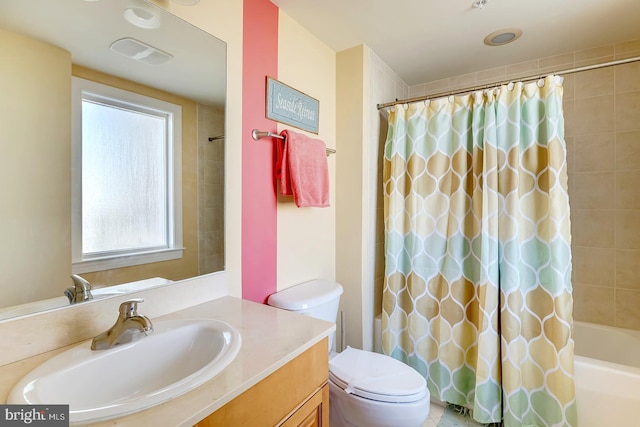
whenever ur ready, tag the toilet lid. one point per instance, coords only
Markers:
(376, 376)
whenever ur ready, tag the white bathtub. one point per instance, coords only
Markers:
(607, 375)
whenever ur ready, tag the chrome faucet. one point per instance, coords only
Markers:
(81, 290)
(129, 327)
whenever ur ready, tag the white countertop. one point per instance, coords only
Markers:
(270, 339)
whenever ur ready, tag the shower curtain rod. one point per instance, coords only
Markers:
(522, 79)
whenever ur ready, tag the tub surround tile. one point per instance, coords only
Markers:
(462, 82)
(593, 266)
(569, 109)
(522, 69)
(593, 190)
(627, 190)
(626, 55)
(568, 86)
(627, 77)
(594, 55)
(593, 304)
(437, 86)
(595, 152)
(627, 151)
(631, 47)
(556, 63)
(627, 108)
(594, 115)
(491, 75)
(627, 229)
(627, 313)
(416, 91)
(571, 155)
(593, 228)
(626, 273)
(594, 83)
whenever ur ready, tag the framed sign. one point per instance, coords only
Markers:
(291, 107)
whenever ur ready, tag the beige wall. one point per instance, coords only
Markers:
(385, 85)
(364, 81)
(306, 236)
(602, 129)
(350, 235)
(32, 141)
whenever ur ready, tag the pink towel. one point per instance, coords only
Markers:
(302, 169)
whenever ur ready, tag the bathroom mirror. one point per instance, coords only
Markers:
(44, 43)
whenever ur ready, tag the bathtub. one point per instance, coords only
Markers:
(607, 375)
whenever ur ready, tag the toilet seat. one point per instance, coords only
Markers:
(376, 377)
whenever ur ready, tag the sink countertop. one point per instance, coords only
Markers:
(270, 339)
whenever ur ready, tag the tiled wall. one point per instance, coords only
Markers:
(602, 129)
(604, 139)
(210, 189)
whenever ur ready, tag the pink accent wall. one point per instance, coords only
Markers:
(259, 220)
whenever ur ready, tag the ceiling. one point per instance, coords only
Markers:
(427, 40)
(88, 28)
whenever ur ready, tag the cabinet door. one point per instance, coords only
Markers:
(313, 413)
(275, 399)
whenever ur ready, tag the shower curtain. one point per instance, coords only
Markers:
(477, 294)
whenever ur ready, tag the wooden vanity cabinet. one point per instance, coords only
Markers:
(295, 395)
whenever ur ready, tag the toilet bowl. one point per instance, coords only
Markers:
(365, 389)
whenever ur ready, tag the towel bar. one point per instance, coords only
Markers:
(256, 135)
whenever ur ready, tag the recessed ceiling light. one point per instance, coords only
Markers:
(142, 17)
(501, 37)
(187, 2)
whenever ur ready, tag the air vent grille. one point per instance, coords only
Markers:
(135, 49)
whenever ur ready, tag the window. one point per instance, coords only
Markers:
(126, 178)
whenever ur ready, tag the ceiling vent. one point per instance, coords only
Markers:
(501, 37)
(135, 49)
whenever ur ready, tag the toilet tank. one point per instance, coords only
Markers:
(317, 298)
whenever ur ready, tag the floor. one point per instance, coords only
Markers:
(437, 418)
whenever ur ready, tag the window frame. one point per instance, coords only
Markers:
(109, 95)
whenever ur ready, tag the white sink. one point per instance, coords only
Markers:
(98, 385)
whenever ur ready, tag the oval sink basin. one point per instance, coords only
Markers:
(98, 385)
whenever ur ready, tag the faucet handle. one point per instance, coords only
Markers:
(130, 308)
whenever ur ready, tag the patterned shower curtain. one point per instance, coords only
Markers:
(477, 293)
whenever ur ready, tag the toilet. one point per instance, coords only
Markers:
(366, 389)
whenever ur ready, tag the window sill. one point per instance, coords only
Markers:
(120, 261)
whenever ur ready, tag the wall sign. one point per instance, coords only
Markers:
(291, 107)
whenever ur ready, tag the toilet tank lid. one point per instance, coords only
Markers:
(305, 295)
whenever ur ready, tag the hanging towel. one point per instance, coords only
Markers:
(302, 169)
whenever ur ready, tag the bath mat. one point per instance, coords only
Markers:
(458, 416)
